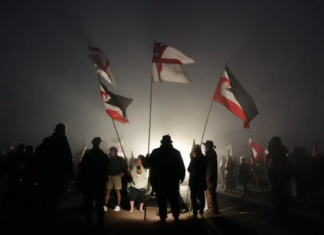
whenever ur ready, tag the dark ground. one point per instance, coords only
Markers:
(253, 215)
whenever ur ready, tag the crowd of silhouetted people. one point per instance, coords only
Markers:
(34, 181)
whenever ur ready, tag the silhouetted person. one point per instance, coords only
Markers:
(261, 180)
(93, 178)
(293, 162)
(244, 174)
(14, 176)
(211, 176)
(167, 170)
(117, 169)
(55, 168)
(279, 176)
(304, 175)
(229, 176)
(29, 179)
(138, 186)
(197, 181)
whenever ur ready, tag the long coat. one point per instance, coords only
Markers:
(197, 169)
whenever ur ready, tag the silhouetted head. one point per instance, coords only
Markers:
(294, 150)
(209, 145)
(20, 148)
(113, 151)
(166, 139)
(61, 129)
(275, 141)
(197, 150)
(301, 151)
(97, 142)
(242, 160)
(140, 160)
(29, 150)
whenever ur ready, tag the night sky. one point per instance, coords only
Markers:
(274, 48)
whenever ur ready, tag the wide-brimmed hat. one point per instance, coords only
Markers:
(166, 139)
(209, 144)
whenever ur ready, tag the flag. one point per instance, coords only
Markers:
(120, 150)
(232, 95)
(167, 64)
(115, 105)
(256, 150)
(102, 65)
(266, 152)
(131, 161)
(78, 157)
(316, 150)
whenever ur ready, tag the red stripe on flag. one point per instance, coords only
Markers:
(104, 94)
(230, 105)
(116, 116)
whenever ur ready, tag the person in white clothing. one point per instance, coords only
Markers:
(138, 186)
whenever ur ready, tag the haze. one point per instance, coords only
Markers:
(274, 48)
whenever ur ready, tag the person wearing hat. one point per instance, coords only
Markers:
(167, 170)
(93, 179)
(117, 167)
(55, 168)
(211, 176)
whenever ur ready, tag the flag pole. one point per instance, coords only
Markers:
(202, 138)
(112, 119)
(119, 139)
(149, 136)
(151, 94)
(211, 105)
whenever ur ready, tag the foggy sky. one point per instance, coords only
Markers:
(274, 48)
